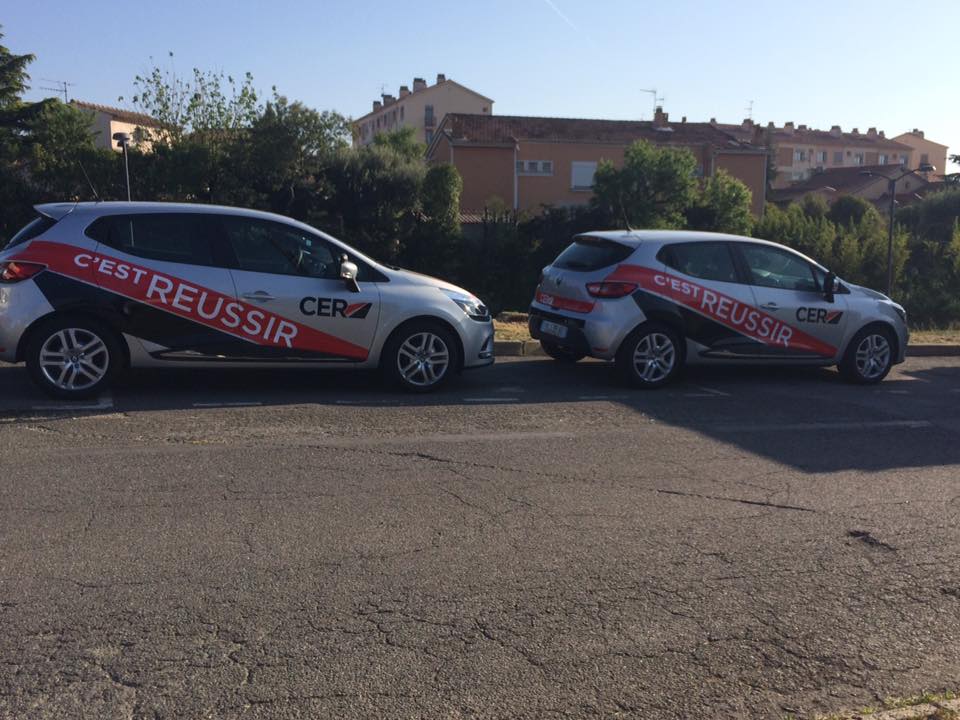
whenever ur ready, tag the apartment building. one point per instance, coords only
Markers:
(528, 162)
(422, 108)
(800, 152)
(925, 151)
(106, 120)
(869, 182)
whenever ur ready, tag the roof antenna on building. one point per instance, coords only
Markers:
(749, 110)
(96, 195)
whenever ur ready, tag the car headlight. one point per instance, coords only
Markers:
(472, 306)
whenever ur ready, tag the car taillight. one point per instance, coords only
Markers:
(14, 272)
(610, 289)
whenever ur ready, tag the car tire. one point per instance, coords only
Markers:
(869, 356)
(73, 358)
(561, 354)
(650, 356)
(420, 357)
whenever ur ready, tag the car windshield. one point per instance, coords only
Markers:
(590, 253)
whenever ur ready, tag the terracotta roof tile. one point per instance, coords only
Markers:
(128, 116)
(462, 128)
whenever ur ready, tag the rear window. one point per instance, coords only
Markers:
(170, 237)
(587, 254)
(33, 229)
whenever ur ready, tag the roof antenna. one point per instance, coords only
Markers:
(623, 210)
(96, 195)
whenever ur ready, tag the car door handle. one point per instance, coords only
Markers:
(258, 295)
(770, 306)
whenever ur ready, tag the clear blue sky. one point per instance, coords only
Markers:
(856, 63)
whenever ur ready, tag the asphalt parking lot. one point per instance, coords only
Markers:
(534, 541)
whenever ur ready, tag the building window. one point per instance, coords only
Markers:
(401, 114)
(838, 157)
(799, 155)
(535, 167)
(858, 158)
(581, 175)
(429, 136)
(924, 158)
(822, 157)
(428, 115)
(882, 159)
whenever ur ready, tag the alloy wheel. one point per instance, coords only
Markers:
(74, 359)
(654, 357)
(423, 359)
(873, 356)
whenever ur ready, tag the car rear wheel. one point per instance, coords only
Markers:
(561, 354)
(420, 357)
(869, 356)
(650, 357)
(73, 358)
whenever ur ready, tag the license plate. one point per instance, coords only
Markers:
(552, 328)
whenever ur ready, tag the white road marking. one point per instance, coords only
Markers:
(227, 404)
(896, 392)
(510, 389)
(718, 393)
(603, 397)
(701, 395)
(491, 400)
(877, 425)
(104, 403)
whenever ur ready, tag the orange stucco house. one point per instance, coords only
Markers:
(529, 162)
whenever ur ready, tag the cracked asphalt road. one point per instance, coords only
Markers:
(533, 542)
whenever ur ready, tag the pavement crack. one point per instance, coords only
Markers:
(866, 537)
(742, 501)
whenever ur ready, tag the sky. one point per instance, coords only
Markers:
(854, 63)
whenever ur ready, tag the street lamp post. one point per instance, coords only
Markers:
(123, 139)
(892, 191)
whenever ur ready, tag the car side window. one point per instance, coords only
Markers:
(169, 237)
(705, 260)
(776, 268)
(269, 247)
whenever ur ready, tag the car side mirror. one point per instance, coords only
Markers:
(348, 273)
(829, 286)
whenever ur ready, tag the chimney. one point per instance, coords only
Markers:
(746, 125)
(802, 127)
(872, 132)
(441, 78)
(835, 131)
(388, 100)
(788, 127)
(404, 91)
(419, 84)
(883, 134)
(713, 121)
(659, 117)
(855, 131)
(771, 126)
(758, 138)
(683, 119)
(918, 133)
(377, 105)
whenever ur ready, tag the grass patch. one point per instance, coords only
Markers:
(935, 337)
(896, 703)
(510, 331)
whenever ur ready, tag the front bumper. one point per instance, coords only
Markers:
(477, 339)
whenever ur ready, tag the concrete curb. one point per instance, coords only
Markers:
(523, 348)
(924, 711)
(517, 348)
(933, 350)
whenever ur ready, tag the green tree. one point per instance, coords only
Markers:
(403, 141)
(652, 189)
(207, 101)
(434, 245)
(723, 206)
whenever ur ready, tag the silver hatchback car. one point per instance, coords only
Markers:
(655, 300)
(88, 288)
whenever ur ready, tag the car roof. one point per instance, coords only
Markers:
(117, 207)
(635, 238)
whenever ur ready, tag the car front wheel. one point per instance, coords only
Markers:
(650, 357)
(420, 357)
(869, 356)
(73, 358)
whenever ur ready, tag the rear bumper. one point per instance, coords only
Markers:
(20, 305)
(576, 339)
